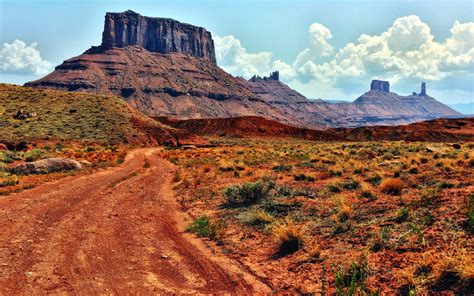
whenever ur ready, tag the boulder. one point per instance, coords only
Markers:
(46, 166)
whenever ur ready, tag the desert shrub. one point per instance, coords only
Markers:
(392, 186)
(282, 168)
(303, 177)
(375, 179)
(7, 156)
(334, 187)
(3, 167)
(365, 192)
(288, 236)
(9, 181)
(335, 173)
(350, 184)
(35, 154)
(204, 227)
(248, 193)
(402, 215)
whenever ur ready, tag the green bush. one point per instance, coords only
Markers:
(402, 215)
(248, 193)
(303, 177)
(350, 184)
(204, 227)
(282, 168)
(35, 154)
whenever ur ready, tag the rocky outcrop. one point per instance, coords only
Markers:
(46, 166)
(273, 76)
(162, 35)
(380, 85)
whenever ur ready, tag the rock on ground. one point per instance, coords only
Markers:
(46, 166)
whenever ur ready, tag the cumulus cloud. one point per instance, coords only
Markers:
(19, 58)
(405, 51)
(234, 58)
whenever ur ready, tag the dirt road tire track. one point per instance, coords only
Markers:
(117, 231)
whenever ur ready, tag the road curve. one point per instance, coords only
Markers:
(116, 231)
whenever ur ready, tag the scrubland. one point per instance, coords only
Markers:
(347, 218)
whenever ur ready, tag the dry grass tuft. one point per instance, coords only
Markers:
(288, 236)
(392, 186)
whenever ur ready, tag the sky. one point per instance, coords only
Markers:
(323, 49)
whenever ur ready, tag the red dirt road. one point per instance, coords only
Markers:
(117, 231)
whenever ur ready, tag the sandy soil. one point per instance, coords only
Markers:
(117, 231)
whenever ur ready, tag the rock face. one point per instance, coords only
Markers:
(162, 35)
(379, 85)
(46, 166)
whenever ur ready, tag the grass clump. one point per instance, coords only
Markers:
(392, 186)
(288, 236)
(351, 281)
(402, 215)
(257, 218)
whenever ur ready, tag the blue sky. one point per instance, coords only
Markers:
(308, 41)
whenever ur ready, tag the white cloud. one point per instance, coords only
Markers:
(18, 58)
(234, 58)
(404, 52)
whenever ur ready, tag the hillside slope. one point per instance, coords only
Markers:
(28, 114)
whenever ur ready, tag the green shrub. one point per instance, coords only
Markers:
(35, 154)
(350, 184)
(282, 168)
(203, 227)
(248, 193)
(402, 215)
(7, 156)
(303, 177)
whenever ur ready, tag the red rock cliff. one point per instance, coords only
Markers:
(162, 35)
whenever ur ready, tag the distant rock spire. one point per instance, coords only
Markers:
(423, 89)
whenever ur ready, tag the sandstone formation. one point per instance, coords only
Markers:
(165, 68)
(162, 35)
